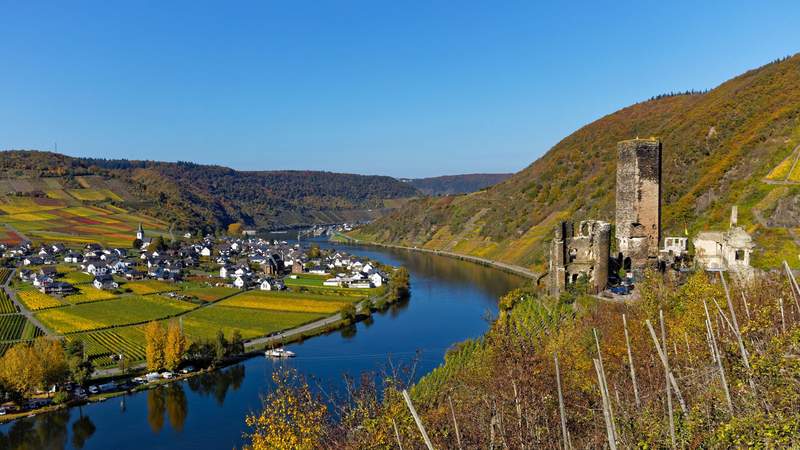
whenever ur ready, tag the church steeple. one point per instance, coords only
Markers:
(140, 232)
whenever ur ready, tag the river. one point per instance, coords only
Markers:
(450, 302)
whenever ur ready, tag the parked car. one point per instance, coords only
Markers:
(94, 389)
(187, 369)
(621, 290)
(167, 375)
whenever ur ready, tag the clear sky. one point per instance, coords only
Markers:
(402, 88)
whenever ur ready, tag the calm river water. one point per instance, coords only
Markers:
(450, 301)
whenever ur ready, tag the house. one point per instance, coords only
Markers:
(33, 261)
(725, 250)
(205, 251)
(225, 271)
(360, 284)
(242, 282)
(73, 258)
(376, 279)
(58, 288)
(333, 282)
(105, 282)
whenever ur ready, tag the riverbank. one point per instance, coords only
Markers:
(510, 268)
(253, 348)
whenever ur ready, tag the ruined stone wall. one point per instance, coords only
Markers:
(582, 252)
(638, 198)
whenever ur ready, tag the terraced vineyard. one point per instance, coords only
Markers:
(6, 305)
(36, 301)
(204, 323)
(292, 302)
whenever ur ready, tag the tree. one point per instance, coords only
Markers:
(349, 313)
(220, 347)
(20, 372)
(80, 367)
(291, 417)
(314, 251)
(237, 343)
(52, 360)
(399, 284)
(154, 347)
(175, 346)
(235, 228)
(137, 244)
(156, 244)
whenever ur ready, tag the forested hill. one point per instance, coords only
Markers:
(456, 184)
(737, 143)
(202, 197)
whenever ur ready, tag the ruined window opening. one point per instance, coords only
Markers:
(739, 255)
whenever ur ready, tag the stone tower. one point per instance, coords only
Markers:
(638, 213)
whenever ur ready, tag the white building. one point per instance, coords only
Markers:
(725, 250)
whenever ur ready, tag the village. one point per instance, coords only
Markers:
(243, 290)
(584, 254)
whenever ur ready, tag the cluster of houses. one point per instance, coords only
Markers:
(244, 262)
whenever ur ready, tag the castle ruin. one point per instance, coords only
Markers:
(638, 208)
(585, 254)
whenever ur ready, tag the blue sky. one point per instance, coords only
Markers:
(401, 88)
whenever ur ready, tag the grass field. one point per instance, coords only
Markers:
(286, 302)
(204, 323)
(306, 280)
(77, 277)
(124, 311)
(210, 294)
(150, 287)
(35, 300)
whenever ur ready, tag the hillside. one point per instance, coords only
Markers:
(189, 196)
(728, 145)
(456, 184)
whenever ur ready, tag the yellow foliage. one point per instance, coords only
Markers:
(175, 346)
(155, 343)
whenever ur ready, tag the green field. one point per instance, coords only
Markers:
(204, 323)
(150, 287)
(126, 310)
(210, 294)
(77, 277)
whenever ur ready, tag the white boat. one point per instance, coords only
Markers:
(279, 353)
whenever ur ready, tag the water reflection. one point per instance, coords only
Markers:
(82, 430)
(169, 401)
(216, 384)
(47, 431)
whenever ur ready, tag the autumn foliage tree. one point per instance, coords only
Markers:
(175, 346)
(291, 417)
(155, 345)
(26, 368)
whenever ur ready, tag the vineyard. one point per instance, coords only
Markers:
(15, 327)
(101, 345)
(6, 305)
(123, 311)
(35, 300)
(204, 323)
(295, 302)
(4, 275)
(150, 287)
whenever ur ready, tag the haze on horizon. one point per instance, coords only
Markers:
(408, 90)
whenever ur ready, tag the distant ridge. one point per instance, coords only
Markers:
(456, 184)
(206, 198)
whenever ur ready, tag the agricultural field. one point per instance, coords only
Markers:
(280, 301)
(6, 305)
(305, 279)
(70, 221)
(88, 293)
(35, 300)
(16, 327)
(123, 311)
(210, 294)
(9, 237)
(77, 277)
(204, 323)
(5, 274)
(100, 345)
(150, 287)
